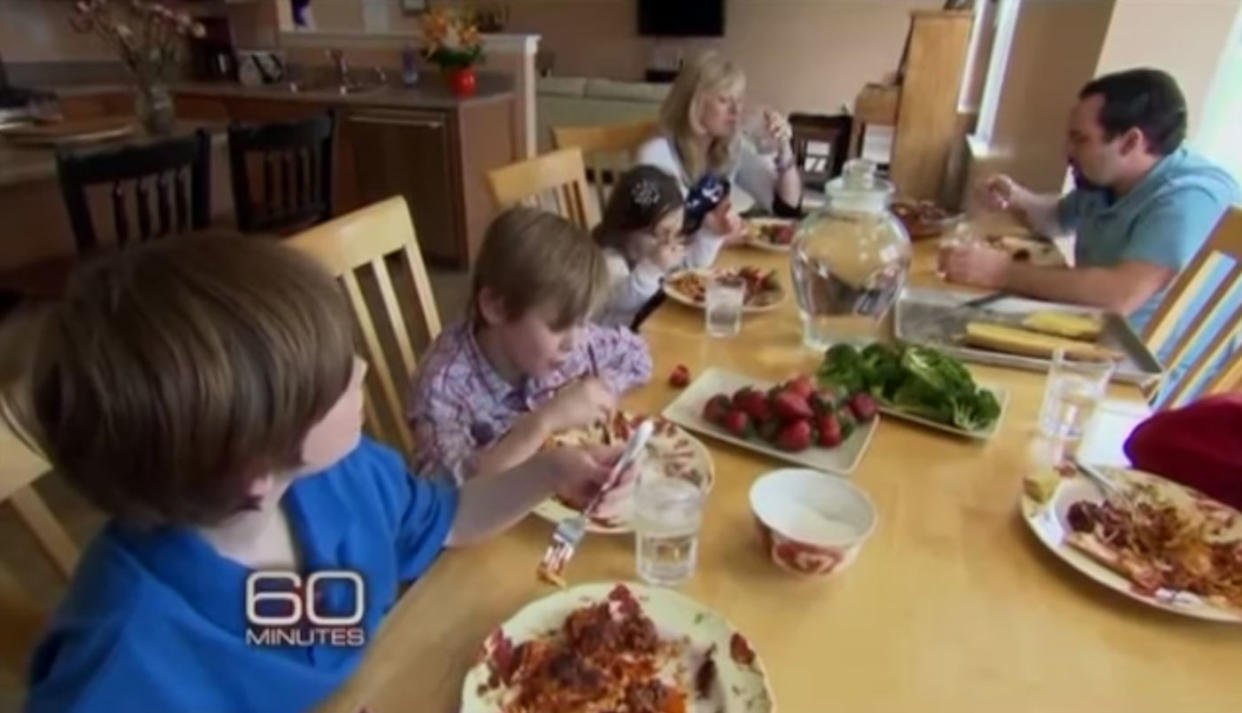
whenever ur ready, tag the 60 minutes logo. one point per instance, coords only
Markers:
(301, 623)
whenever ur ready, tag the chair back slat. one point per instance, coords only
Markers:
(608, 150)
(362, 249)
(1184, 321)
(554, 181)
(162, 205)
(136, 164)
(285, 202)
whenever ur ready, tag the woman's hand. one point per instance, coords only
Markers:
(777, 127)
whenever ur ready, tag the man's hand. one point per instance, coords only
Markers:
(1000, 192)
(977, 265)
(578, 404)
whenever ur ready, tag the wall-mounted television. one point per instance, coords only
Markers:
(681, 18)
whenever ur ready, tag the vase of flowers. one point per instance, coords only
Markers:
(452, 43)
(150, 39)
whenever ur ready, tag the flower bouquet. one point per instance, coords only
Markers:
(452, 42)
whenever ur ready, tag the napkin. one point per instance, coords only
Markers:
(1198, 445)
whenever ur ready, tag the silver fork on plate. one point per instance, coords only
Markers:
(570, 531)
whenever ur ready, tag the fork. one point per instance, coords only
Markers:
(1112, 489)
(570, 531)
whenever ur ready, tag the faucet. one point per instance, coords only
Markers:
(342, 70)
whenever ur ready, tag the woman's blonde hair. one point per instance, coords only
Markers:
(679, 114)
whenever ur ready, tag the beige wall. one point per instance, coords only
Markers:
(39, 31)
(1055, 50)
(799, 55)
(1186, 38)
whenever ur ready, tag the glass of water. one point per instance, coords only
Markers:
(723, 308)
(960, 235)
(667, 514)
(1073, 392)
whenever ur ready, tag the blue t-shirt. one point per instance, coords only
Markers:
(1164, 219)
(155, 620)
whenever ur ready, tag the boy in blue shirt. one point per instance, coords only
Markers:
(204, 392)
(1143, 206)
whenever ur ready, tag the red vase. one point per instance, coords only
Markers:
(462, 81)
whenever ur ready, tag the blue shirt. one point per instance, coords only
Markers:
(155, 620)
(1164, 219)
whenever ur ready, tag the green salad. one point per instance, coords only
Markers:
(918, 380)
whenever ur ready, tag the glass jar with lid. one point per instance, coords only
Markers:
(849, 261)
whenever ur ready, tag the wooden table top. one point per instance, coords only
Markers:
(952, 605)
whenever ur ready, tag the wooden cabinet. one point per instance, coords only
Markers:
(408, 153)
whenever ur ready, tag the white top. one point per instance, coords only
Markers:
(749, 171)
(628, 289)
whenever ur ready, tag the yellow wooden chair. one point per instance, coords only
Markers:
(1222, 249)
(360, 249)
(608, 150)
(555, 182)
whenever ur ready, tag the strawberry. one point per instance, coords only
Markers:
(742, 394)
(738, 423)
(769, 282)
(848, 424)
(715, 409)
(829, 430)
(863, 406)
(824, 400)
(768, 429)
(753, 403)
(795, 436)
(802, 385)
(789, 406)
(680, 377)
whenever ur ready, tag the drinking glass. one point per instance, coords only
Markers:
(668, 512)
(723, 308)
(1071, 395)
(961, 235)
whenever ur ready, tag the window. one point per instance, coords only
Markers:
(1006, 22)
(1220, 131)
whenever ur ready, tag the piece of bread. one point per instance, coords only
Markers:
(1027, 343)
(1087, 327)
(1041, 484)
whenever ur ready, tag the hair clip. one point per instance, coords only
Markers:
(645, 193)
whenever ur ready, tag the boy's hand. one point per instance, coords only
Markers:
(578, 404)
(581, 472)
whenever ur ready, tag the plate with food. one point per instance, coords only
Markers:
(792, 420)
(671, 451)
(598, 648)
(923, 219)
(775, 234)
(1028, 249)
(917, 383)
(762, 290)
(1151, 539)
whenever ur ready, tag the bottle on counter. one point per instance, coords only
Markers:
(409, 66)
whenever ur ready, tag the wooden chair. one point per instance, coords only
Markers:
(555, 182)
(608, 150)
(357, 248)
(177, 170)
(1222, 250)
(295, 161)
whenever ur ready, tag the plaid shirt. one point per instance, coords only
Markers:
(459, 404)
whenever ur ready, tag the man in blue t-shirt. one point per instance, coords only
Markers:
(1143, 206)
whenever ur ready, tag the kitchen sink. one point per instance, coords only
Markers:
(331, 88)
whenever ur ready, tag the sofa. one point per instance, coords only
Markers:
(589, 101)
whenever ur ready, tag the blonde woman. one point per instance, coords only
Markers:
(700, 144)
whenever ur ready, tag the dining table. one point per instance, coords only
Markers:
(952, 605)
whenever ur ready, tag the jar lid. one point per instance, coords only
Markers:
(858, 189)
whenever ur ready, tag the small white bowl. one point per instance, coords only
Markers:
(810, 522)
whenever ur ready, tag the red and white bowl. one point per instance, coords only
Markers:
(811, 523)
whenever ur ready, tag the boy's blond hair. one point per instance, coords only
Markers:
(708, 72)
(530, 258)
(173, 374)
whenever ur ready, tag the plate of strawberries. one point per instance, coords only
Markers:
(794, 420)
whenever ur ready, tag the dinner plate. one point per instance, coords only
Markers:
(739, 687)
(678, 454)
(983, 434)
(678, 296)
(1048, 522)
(687, 410)
(754, 240)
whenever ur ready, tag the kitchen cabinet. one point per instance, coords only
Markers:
(408, 153)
